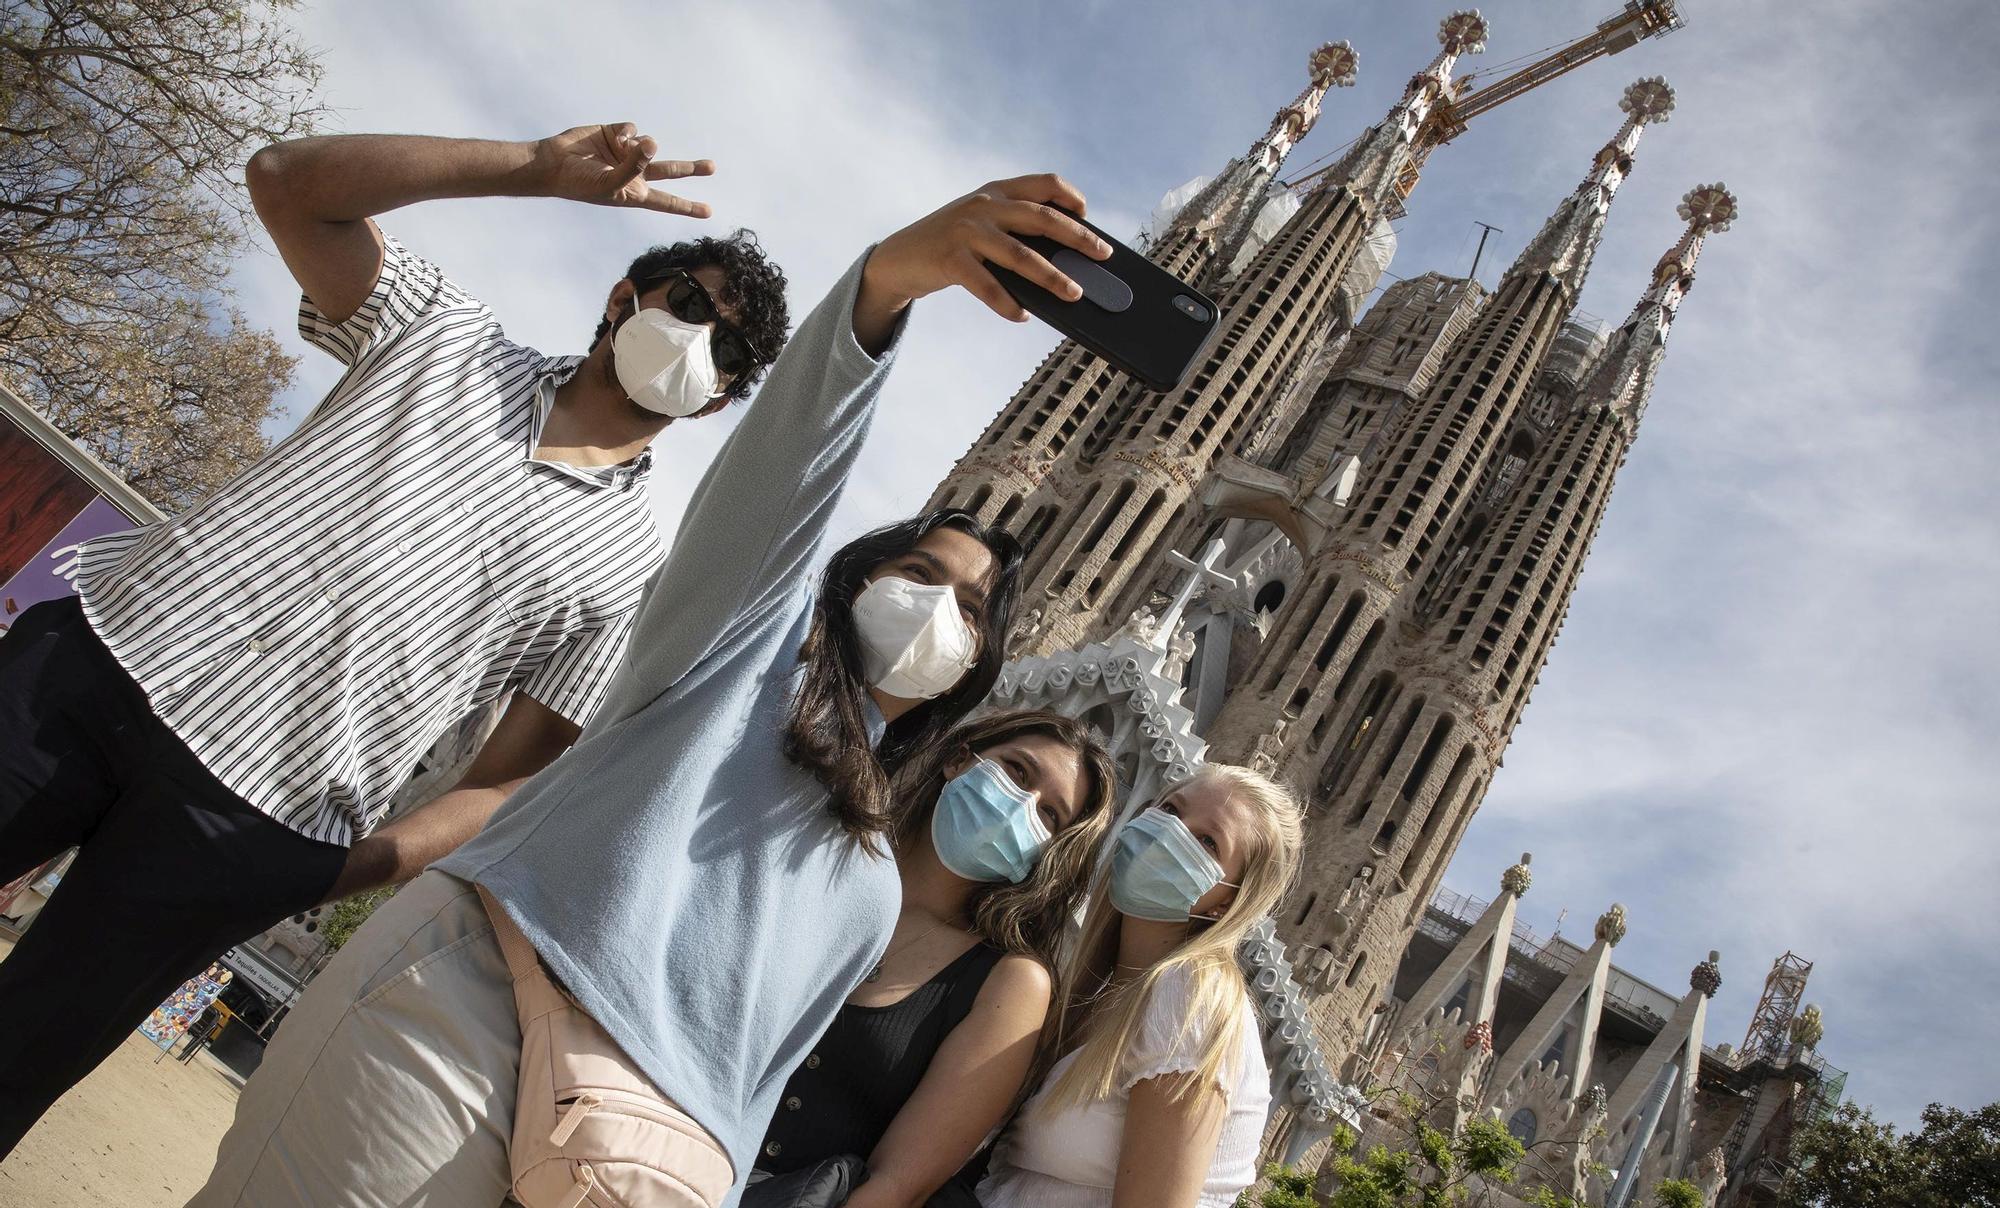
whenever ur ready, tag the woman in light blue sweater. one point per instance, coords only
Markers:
(706, 871)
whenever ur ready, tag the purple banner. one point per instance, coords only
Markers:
(38, 580)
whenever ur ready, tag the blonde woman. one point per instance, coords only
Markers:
(1158, 1093)
(996, 840)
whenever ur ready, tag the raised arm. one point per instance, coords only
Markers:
(317, 196)
(965, 1093)
(757, 516)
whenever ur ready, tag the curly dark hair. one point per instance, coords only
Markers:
(753, 285)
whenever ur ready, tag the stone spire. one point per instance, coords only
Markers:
(1331, 66)
(1567, 241)
(1611, 924)
(1375, 167)
(1221, 213)
(1707, 976)
(1622, 377)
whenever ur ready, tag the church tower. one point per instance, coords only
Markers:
(1092, 469)
(1341, 553)
(1369, 695)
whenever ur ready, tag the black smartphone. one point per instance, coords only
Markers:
(1133, 313)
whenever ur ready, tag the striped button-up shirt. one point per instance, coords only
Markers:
(400, 560)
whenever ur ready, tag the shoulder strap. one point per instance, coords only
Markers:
(520, 954)
(969, 976)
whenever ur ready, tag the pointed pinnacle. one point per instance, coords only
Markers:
(1709, 208)
(1333, 65)
(1648, 100)
(1463, 32)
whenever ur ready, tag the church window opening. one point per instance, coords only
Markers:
(1305, 910)
(1522, 1125)
(1459, 1000)
(1554, 1055)
(1270, 596)
(1354, 970)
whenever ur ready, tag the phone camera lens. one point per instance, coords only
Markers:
(1191, 308)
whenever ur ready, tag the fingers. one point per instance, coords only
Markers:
(675, 169)
(984, 286)
(1044, 187)
(666, 203)
(1032, 218)
(1010, 253)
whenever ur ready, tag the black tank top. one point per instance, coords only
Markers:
(842, 1097)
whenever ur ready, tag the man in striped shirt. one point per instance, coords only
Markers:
(221, 718)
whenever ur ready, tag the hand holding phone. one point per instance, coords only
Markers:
(1132, 312)
(966, 241)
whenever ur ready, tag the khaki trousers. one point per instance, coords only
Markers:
(392, 1082)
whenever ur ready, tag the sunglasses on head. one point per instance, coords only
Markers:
(689, 301)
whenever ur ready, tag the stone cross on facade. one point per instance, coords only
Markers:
(1200, 574)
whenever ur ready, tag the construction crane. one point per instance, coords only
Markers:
(1449, 115)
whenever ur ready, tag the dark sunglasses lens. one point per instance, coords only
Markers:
(732, 353)
(690, 302)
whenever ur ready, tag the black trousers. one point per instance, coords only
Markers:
(173, 867)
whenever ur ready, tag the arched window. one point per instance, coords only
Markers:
(1522, 1125)
(1270, 596)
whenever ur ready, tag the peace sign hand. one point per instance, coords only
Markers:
(614, 166)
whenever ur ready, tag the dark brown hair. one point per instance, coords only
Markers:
(828, 731)
(1029, 918)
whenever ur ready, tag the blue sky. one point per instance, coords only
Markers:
(1763, 727)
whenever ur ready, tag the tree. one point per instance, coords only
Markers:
(1676, 1193)
(123, 126)
(1284, 1187)
(1848, 1159)
(1442, 1168)
(349, 913)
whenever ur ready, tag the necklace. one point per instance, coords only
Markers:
(875, 974)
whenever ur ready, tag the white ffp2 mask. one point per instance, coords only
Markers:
(914, 643)
(663, 363)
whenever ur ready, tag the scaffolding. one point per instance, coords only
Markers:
(1770, 1034)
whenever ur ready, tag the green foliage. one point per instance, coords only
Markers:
(1433, 1174)
(1543, 1197)
(1284, 1187)
(348, 914)
(1676, 1193)
(1490, 1149)
(1848, 1159)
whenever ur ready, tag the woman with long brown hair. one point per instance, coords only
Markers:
(1159, 1090)
(995, 845)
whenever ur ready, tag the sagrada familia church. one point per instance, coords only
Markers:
(1341, 553)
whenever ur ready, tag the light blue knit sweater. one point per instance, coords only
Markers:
(675, 869)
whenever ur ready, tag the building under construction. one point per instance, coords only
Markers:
(1602, 1068)
(1341, 553)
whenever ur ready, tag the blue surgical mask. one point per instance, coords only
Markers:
(1159, 870)
(986, 827)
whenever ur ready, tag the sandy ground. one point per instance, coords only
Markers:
(135, 1134)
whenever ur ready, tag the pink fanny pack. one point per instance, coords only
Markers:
(589, 1128)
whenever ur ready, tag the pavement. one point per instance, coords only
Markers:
(138, 1132)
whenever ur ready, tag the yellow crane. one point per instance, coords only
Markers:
(1449, 116)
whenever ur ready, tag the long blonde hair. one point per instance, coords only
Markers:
(1032, 917)
(1106, 1022)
